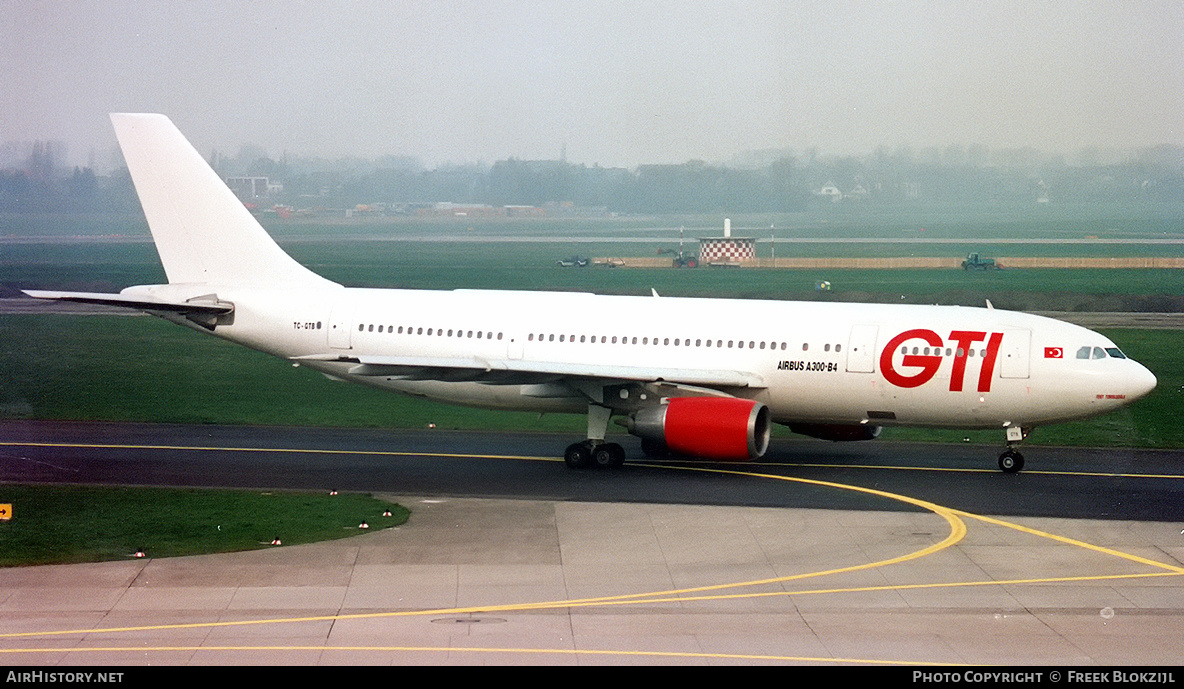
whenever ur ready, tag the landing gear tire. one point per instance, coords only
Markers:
(1011, 462)
(578, 456)
(608, 456)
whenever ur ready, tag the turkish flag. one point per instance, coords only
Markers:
(1054, 353)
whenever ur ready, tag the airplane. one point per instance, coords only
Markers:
(689, 376)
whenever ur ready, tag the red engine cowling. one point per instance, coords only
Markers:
(725, 428)
(836, 432)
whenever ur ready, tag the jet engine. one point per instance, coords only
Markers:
(724, 428)
(836, 432)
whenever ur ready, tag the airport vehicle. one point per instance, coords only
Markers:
(702, 377)
(975, 262)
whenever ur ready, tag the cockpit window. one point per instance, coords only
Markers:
(1100, 353)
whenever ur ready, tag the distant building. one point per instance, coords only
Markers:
(831, 192)
(252, 188)
(857, 193)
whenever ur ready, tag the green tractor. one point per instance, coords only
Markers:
(976, 262)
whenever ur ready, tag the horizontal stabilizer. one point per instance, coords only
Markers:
(129, 302)
(207, 311)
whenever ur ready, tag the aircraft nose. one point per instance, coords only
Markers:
(1139, 383)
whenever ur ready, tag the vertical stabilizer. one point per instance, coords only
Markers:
(202, 231)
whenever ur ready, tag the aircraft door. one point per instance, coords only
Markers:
(339, 329)
(861, 349)
(1014, 353)
(514, 348)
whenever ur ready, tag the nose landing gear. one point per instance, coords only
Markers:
(1011, 461)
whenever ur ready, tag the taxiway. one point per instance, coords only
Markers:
(880, 553)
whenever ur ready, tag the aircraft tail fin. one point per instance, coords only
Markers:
(203, 233)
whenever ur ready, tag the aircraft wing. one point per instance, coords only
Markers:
(521, 372)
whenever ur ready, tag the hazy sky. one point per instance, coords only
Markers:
(619, 83)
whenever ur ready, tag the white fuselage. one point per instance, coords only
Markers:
(809, 362)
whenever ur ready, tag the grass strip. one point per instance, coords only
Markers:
(71, 524)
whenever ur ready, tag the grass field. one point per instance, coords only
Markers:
(65, 524)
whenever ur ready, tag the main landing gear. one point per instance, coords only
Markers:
(593, 454)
